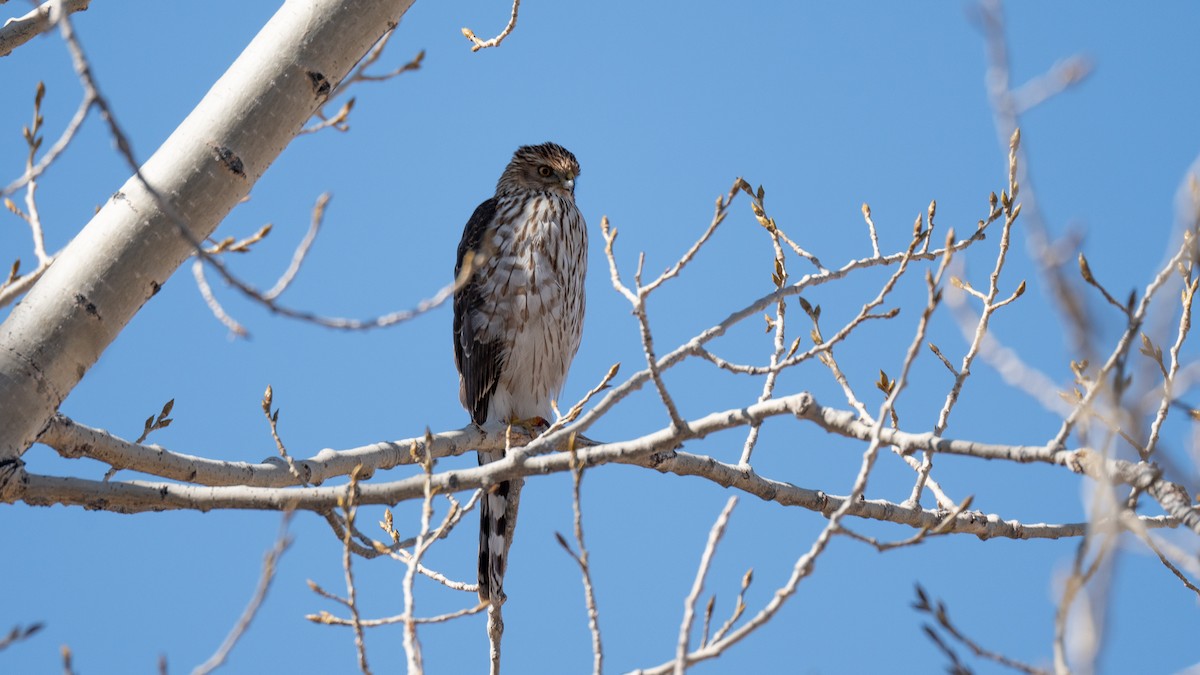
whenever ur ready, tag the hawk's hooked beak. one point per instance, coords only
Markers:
(569, 183)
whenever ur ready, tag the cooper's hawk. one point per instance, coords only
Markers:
(518, 318)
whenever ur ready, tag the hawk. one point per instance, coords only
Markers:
(518, 318)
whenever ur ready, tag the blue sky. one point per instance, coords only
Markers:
(826, 105)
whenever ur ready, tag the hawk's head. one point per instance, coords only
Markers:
(547, 167)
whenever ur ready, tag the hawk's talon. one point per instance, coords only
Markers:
(531, 425)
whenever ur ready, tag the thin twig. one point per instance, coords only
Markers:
(285, 280)
(942, 616)
(15, 284)
(483, 44)
(1185, 325)
(638, 300)
(689, 604)
(1006, 111)
(412, 645)
(341, 323)
(582, 559)
(270, 563)
(576, 409)
(1076, 582)
(325, 618)
(369, 548)
(1061, 77)
(780, 350)
(990, 305)
(339, 120)
(1138, 528)
(67, 657)
(739, 607)
(720, 211)
(349, 509)
(866, 211)
(19, 633)
(1123, 345)
(273, 420)
(214, 305)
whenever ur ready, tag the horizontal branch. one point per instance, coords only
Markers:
(984, 526)
(136, 496)
(74, 440)
(1141, 475)
(242, 485)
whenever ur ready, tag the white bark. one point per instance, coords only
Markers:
(240, 485)
(134, 244)
(19, 30)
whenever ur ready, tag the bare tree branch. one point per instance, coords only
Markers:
(270, 561)
(483, 44)
(655, 450)
(19, 633)
(17, 31)
(942, 616)
(582, 559)
(689, 605)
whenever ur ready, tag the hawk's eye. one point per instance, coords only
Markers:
(544, 171)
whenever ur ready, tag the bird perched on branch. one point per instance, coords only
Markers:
(518, 318)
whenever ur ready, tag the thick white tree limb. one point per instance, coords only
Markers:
(136, 241)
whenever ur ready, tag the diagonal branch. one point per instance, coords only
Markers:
(270, 563)
(17, 31)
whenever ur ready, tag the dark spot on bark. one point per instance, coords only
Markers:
(11, 466)
(320, 84)
(659, 457)
(162, 492)
(230, 160)
(823, 500)
(155, 287)
(89, 307)
(118, 196)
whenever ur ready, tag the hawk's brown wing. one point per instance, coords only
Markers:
(478, 361)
